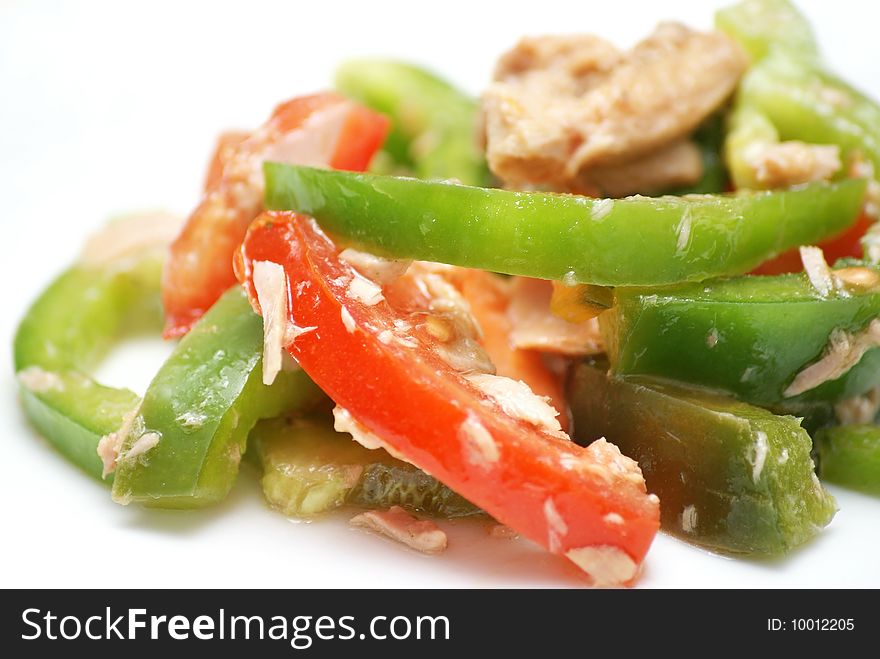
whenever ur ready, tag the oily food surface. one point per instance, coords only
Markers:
(461, 434)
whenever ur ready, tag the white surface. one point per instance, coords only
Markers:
(108, 107)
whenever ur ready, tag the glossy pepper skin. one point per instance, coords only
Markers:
(623, 242)
(850, 456)
(730, 476)
(747, 336)
(61, 339)
(202, 403)
(433, 124)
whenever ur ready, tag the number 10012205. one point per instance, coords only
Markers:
(811, 624)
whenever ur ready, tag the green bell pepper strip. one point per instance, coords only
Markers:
(62, 338)
(730, 476)
(787, 94)
(850, 456)
(433, 123)
(309, 468)
(762, 26)
(804, 102)
(622, 242)
(201, 404)
(747, 336)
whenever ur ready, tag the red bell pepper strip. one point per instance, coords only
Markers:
(589, 504)
(324, 129)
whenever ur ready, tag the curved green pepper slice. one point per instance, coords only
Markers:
(850, 456)
(433, 123)
(749, 336)
(730, 476)
(761, 26)
(787, 94)
(806, 103)
(63, 336)
(621, 242)
(196, 414)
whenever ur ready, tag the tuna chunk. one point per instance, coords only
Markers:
(574, 112)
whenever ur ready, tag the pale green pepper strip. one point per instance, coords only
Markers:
(850, 456)
(806, 103)
(196, 414)
(761, 26)
(787, 94)
(62, 338)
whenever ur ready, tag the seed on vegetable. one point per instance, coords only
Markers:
(857, 277)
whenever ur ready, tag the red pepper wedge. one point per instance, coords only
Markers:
(589, 504)
(323, 129)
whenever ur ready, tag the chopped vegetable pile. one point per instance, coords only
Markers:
(622, 291)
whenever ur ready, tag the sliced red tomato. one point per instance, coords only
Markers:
(847, 244)
(589, 504)
(319, 130)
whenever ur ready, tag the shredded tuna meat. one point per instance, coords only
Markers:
(609, 567)
(270, 283)
(784, 164)
(820, 275)
(364, 290)
(142, 445)
(676, 165)
(575, 112)
(110, 444)
(858, 410)
(343, 421)
(844, 351)
(382, 271)
(536, 328)
(40, 381)
(479, 446)
(422, 535)
(517, 400)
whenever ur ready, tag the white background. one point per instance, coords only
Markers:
(113, 106)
